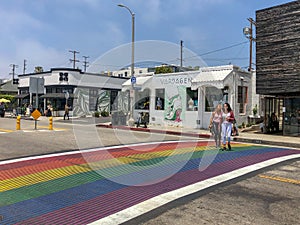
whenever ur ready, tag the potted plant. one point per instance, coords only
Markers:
(96, 114)
(104, 114)
(254, 110)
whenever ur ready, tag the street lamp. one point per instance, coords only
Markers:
(131, 120)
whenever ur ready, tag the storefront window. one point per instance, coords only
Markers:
(213, 96)
(292, 117)
(242, 98)
(191, 99)
(159, 99)
(142, 99)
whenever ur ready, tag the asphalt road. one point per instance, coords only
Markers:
(68, 135)
(269, 196)
(266, 197)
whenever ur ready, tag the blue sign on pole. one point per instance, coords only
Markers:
(133, 80)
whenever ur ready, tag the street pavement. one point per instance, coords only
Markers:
(112, 185)
(245, 135)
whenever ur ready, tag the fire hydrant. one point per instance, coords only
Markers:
(18, 126)
(51, 123)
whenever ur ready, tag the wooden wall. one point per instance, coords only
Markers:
(278, 49)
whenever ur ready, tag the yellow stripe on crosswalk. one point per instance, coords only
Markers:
(48, 175)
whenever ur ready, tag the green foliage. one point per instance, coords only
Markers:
(163, 69)
(8, 97)
(104, 114)
(96, 114)
(254, 110)
(38, 69)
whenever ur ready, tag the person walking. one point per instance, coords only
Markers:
(66, 112)
(139, 119)
(228, 118)
(215, 124)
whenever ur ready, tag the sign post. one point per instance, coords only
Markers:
(36, 85)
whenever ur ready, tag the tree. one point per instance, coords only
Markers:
(38, 69)
(163, 69)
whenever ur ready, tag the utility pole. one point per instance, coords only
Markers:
(248, 32)
(24, 66)
(14, 66)
(74, 60)
(85, 63)
(181, 53)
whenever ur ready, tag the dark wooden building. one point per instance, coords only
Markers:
(278, 64)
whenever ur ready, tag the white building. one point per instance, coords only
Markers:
(127, 72)
(87, 92)
(188, 98)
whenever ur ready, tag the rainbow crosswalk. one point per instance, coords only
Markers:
(86, 186)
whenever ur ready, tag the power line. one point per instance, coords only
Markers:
(176, 60)
(222, 49)
(210, 52)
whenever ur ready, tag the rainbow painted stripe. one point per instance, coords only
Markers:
(79, 188)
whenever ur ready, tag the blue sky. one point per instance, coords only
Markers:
(43, 31)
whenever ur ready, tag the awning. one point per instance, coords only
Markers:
(56, 95)
(211, 77)
(141, 83)
(22, 96)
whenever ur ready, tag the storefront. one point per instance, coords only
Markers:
(277, 60)
(224, 84)
(85, 93)
(187, 99)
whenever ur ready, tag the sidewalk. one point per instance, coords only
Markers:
(248, 136)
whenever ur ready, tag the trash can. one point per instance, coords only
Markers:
(118, 118)
(114, 118)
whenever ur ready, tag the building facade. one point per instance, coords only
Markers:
(85, 93)
(278, 66)
(187, 99)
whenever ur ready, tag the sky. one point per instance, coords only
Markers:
(43, 32)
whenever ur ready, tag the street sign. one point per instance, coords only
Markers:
(67, 95)
(36, 85)
(36, 114)
(133, 79)
(137, 88)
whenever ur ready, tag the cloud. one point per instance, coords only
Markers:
(190, 35)
(35, 54)
(13, 21)
(13, 27)
(153, 11)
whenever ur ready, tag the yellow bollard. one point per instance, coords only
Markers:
(18, 126)
(51, 123)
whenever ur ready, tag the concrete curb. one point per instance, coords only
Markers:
(196, 135)
(170, 132)
(267, 142)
